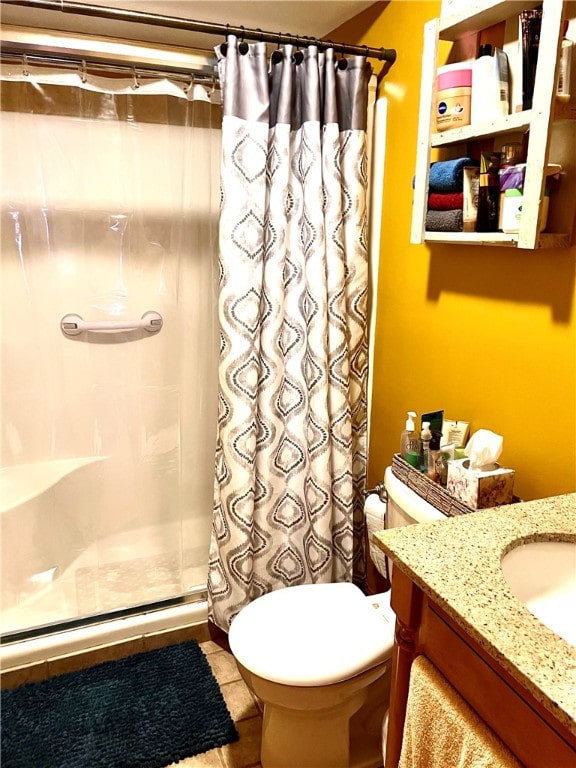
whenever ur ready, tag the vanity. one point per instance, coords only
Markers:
(454, 606)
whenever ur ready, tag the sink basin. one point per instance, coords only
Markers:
(542, 575)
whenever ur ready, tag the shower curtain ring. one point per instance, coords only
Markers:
(277, 55)
(135, 83)
(243, 47)
(83, 71)
(25, 70)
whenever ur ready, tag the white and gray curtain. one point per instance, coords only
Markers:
(291, 446)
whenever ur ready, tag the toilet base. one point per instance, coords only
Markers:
(348, 733)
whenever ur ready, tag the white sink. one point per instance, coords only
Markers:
(542, 575)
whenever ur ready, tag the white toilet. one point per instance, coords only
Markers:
(318, 657)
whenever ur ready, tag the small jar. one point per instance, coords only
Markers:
(453, 94)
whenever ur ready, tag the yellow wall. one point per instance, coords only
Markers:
(487, 333)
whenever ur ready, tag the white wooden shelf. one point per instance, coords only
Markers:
(511, 124)
(545, 239)
(459, 19)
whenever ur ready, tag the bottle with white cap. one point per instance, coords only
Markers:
(407, 434)
(425, 436)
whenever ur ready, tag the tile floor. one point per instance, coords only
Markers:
(245, 711)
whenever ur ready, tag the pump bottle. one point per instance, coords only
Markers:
(434, 457)
(425, 436)
(407, 434)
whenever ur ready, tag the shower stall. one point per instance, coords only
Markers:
(109, 344)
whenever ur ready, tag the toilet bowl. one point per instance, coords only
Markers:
(318, 656)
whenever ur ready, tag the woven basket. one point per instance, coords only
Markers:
(432, 492)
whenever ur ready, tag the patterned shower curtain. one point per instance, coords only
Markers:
(291, 448)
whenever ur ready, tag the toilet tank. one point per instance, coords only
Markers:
(403, 507)
(406, 507)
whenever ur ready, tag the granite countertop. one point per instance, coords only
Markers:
(456, 562)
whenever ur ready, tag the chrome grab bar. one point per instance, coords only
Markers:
(72, 325)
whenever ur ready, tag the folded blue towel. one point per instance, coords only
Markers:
(446, 175)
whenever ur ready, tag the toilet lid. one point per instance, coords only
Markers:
(314, 634)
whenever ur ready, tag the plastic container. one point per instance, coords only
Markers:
(410, 443)
(512, 203)
(453, 94)
(490, 85)
(488, 192)
(435, 457)
(425, 436)
(564, 71)
(407, 434)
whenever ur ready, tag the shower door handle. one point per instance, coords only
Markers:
(72, 325)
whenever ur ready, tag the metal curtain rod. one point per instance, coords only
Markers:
(191, 25)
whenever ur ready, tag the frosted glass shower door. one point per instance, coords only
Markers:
(109, 210)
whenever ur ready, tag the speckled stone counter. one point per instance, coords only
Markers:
(456, 562)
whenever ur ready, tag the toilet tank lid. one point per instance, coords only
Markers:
(313, 634)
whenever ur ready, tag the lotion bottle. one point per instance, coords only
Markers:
(481, 75)
(425, 436)
(490, 85)
(407, 434)
(434, 457)
(564, 68)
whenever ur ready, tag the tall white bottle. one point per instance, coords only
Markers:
(490, 84)
(425, 436)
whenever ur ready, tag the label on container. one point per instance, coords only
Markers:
(453, 108)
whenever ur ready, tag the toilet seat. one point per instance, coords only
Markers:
(341, 632)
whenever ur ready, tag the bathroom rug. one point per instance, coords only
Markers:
(145, 711)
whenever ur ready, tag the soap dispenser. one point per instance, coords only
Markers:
(407, 434)
(425, 436)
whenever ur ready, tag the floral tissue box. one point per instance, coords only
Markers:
(480, 488)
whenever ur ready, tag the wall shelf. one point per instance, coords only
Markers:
(549, 126)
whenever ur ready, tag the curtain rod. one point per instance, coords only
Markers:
(191, 25)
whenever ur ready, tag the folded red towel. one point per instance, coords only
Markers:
(445, 201)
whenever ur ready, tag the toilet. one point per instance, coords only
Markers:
(318, 656)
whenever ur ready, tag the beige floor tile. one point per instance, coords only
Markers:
(210, 759)
(209, 646)
(239, 701)
(244, 753)
(223, 666)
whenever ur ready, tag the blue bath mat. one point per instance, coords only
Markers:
(145, 711)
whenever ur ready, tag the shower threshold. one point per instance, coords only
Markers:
(71, 637)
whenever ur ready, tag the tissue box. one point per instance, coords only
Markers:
(480, 488)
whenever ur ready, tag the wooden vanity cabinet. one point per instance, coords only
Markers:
(528, 729)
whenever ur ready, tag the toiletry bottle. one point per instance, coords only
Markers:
(408, 434)
(411, 445)
(425, 436)
(511, 155)
(481, 76)
(564, 67)
(490, 85)
(488, 192)
(434, 457)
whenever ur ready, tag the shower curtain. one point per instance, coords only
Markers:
(110, 200)
(291, 445)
